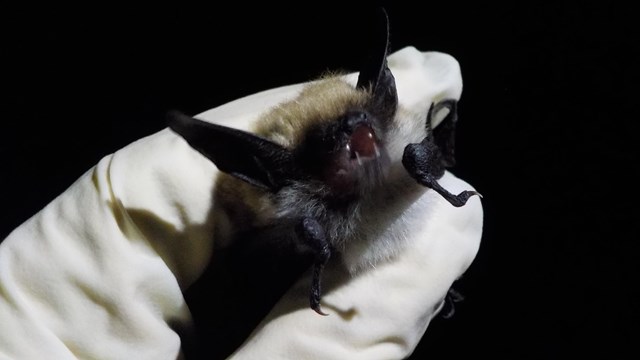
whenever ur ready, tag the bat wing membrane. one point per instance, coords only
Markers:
(246, 156)
(375, 73)
(444, 134)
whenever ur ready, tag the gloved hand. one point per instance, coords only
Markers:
(100, 272)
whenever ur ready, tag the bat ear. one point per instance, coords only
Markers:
(444, 133)
(374, 73)
(248, 157)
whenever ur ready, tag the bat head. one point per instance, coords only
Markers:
(332, 135)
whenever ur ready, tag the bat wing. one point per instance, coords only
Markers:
(248, 157)
(375, 73)
(444, 134)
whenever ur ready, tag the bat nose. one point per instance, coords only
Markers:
(353, 120)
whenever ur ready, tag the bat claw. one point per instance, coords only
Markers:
(319, 311)
(313, 233)
(314, 299)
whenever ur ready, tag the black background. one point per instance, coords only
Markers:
(546, 134)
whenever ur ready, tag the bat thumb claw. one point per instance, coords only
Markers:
(319, 311)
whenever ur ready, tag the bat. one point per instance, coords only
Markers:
(315, 170)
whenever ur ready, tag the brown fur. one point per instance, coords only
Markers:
(319, 102)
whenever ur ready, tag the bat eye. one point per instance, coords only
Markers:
(363, 142)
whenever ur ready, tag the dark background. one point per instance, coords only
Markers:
(547, 134)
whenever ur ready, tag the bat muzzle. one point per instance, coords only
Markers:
(361, 162)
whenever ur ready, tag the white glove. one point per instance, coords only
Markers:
(100, 271)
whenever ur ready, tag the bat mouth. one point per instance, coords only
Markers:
(363, 145)
(360, 163)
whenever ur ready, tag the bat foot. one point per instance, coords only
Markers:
(426, 161)
(429, 180)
